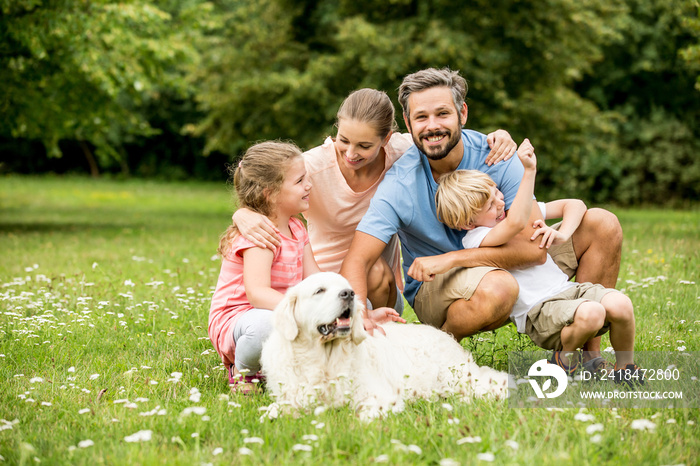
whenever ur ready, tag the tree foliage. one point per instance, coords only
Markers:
(518, 57)
(607, 90)
(83, 70)
(646, 83)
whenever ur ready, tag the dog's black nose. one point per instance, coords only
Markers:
(346, 294)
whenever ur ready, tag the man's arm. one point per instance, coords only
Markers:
(519, 252)
(364, 251)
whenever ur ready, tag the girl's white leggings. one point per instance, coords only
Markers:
(249, 333)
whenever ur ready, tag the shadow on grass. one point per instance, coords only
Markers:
(57, 227)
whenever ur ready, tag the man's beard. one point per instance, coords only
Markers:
(437, 153)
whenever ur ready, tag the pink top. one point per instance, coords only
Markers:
(230, 300)
(335, 209)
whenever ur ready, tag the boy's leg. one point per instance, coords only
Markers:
(620, 314)
(588, 320)
(569, 319)
(597, 248)
(466, 301)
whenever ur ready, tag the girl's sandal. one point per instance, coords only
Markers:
(245, 384)
(245, 387)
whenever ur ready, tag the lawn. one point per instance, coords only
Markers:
(104, 298)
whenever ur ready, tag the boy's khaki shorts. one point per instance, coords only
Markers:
(546, 320)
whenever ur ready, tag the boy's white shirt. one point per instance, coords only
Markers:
(537, 283)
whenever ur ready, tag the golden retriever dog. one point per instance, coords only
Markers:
(319, 354)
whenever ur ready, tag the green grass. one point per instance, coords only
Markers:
(104, 294)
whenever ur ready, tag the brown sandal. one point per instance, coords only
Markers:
(598, 366)
(568, 368)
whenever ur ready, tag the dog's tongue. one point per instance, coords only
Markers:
(342, 323)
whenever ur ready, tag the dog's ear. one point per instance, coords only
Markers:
(357, 331)
(285, 321)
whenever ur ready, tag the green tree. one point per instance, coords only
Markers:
(83, 71)
(647, 83)
(691, 54)
(284, 71)
(250, 81)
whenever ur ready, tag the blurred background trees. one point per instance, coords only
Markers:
(607, 90)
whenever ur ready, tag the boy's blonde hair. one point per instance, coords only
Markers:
(461, 195)
(258, 177)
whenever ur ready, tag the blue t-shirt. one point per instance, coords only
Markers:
(405, 203)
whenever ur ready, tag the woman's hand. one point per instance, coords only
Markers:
(502, 146)
(257, 229)
(373, 317)
(382, 315)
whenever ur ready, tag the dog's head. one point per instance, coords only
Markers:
(322, 306)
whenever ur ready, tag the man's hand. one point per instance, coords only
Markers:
(425, 268)
(550, 236)
(502, 146)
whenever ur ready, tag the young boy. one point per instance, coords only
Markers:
(555, 313)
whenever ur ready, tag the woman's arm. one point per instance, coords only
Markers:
(256, 228)
(257, 266)
(502, 146)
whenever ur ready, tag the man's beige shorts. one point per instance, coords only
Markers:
(546, 320)
(435, 297)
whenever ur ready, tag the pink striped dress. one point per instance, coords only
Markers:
(230, 300)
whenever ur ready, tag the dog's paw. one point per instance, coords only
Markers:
(369, 410)
(370, 414)
(372, 408)
(398, 407)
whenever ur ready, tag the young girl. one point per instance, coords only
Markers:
(271, 180)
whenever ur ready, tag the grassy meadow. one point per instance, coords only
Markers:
(104, 355)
